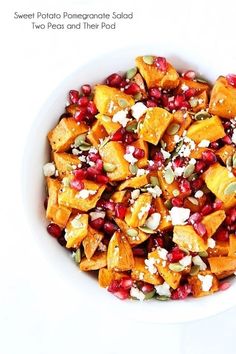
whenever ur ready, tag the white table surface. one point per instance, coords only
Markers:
(34, 319)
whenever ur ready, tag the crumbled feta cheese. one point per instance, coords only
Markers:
(163, 290)
(138, 294)
(199, 262)
(176, 138)
(150, 263)
(184, 87)
(49, 169)
(138, 110)
(153, 221)
(186, 261)
(129, 155)
(85, 193)
(165, 154)
(141, 276)
(162, 252)
(93, 150)
(97, 214)
(211, 243)
(75, 151)
(76, 223)
(121, 117)
(234, 136)
(178, 171)
(141, 172)
(192, 161)
(143, 210)
(179, 216)
(82, 158)
(135, 193)
(154, 191)
(198, 194)
(206, 281)
(204, 143)
(102, 247)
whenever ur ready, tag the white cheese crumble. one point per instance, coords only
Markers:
(129, 155)
(154, 191)
(141, 172)
(162, 252)
(143, 210)
(234, 136)
(137, 294)
(198, 194)
(186, 261)
(75, 151)
(153, 221)
(178, 171)
(135, 194)
(165, 154)
(85, 193)
(199, 262)
(49, 169)
(102, 247)
(76, 223)
(204, 143)
(176, 138)
(179, 216)
(138, 110)
(206, 281)
(121, 117)
(150, 263)
(163, 290)
(97, 214)
(211, 243)
(184, 87)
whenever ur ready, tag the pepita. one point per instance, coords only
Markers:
(169, 175)
(138, 96)
(229, 161)
(146, 230)
(131, 73)
(203, 81)
(132, 232)
(122, 102)
(133, 169)
(77, 256)
(154, 181)
(85, 147)
(193, 200)
(179, 146)
(193, 102)
(168, 204)
(80, 139)
(175, 192)
(188, 170)
(162, 298)
(163, 144)
(104, 142)
(131, 127)
(234, 160)
(192, 177)
(230, 189)
(202, 115)
(109, 167)
(173, 129)
(150, 295)
(203, 254)
(148, 59)
(194, 270)
(176, 267)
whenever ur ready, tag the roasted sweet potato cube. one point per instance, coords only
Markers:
(202, 102)
(185, 84)
(186, 237)
(106, 276)
(141, 144)
(219, 180)
(140, 272)
(57, 213)
(209, 129)
(154, 125)
(76, 230)
(98, 261)
(226, 152)
(213, 221)
(221, 249)
(134, 182)
(168, 190)
(113, 152)
(170, 277)
(110, 100)
(133, 235)
(153, 76)
(118, 196)
(197, 284)
(160, 207)
(109, 126)
(119, 253)
(222, 267)
(92, 241)
(137, 214)
(71, 198)
(223, 99)
(232, 245)
(65, 163)
(197, 152)
(64, 134)
(96, 133)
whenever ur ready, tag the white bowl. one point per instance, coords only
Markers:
(86, 287)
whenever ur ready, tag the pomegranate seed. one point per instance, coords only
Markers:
(62, 241)
(126, 283)
(94, 157)
(54, 230)
(129, 138)
(155, 92)
(232, 216)
(73, 96)
(159, 158)
(184, 186)
(97, 224)
(214, 145)
(178, 101)
(118, 135)
(189, 75)
(231, 79)
(114, 80)
(132, 89)
(181, 292)
(217, 205)
(109, 227)
(171, 105)
(191, 92)
(102, 179)
(200, 228)
(147, 288)
(197, 184)
(222, 235)
(200, 166)
(209, 157)
(86, 89)
(99, 165)
(79, 174)
(175, 255)
(177, 201)
(194, 218)
(151, 210)
(92, 172)
(123, 83)
(109, 204)
(91, 108)
(226, 139)
(122, 294)
(165, 100)
(161, 63)
(83, 101)
(207, 209)
(77, 184)
(139, 252)
(114, 286)
(120, 211)
(185, 104)
(150, 103)
(138, 153)
(178, 162)
(80, 114)
(224, 286)
(158, 241)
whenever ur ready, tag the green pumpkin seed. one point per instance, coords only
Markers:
(169, 175)
(203, 254)
(193, 102)
(229, 161)
(138, 96)
(132, 232)
(77, 256)
(202, 115)
(163, 144)
(188, 170)
(150, 295)
(146, 230)
(154, 181)
(176, 267)
(202, 80)
(193, 177)
(173, 129)
(230, 189)
(109, 167)
(168, 204)
(122, 102)
(148, 59)
(234, 161)
(104, 142)
(133, 169)
(179, 146)
(162, 298)
(131, 73)
(85, 147)
(193, 200)
(143, 189)
(175, 192)
(79, 140)
(194, 270)
(131, 127)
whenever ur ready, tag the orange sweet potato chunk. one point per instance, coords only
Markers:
(106, 122)
(65, 163)
(232, 245)
(196, 284)
(98, 261)
(76, 230)
(133, 235)
(96, 133)
(221, 249)
(137, 214)
(222, 266)
(141, 144)
(226, 152)
(213, 221)
(106, 276)
(140, 272)
(186, 237)
(134, 182)
(185, 84)
(119, 253)
(91, 241)
(209, 129)
(160, 207)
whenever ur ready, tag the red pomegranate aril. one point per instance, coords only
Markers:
(123, 83)
(209, 157)
(185, 104)
(155, 92)
(189, 75)
(120, 211)
(132, 89)
(158, 157)
(196, 217)
(99, 165)
(217, 205)
(151, 210)
(197, 184)
(159, 242)
(97, 224)
(178, 162)
(83, 101)
(80, 114)
(191, 92)
(92, 172)
(207, 209)
(54, 230)
(86, 89)
(165, 100)
(118, 135)
(79, 174)
(114, 286)
(214, 145)
(77, 184)
(181, 292)
(122, 294)
(109, 204)
(102, 179)
(200, 166)
(109, 227)
(222, 235)
(231, 79)
(114, 80)
(175, 255)
(224, 286)
(91, 108)
(200, 228)
(73, 96)
(139, 252)
(129, 138)
(226, 139)
(185, 186)
(150, 104)
(177, 202)
(94, 157)
(161, 63)
(147, 288)
(126, 283)
(178, 101)
(138, 153)
(232, 215)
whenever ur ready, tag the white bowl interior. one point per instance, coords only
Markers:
(86, 287)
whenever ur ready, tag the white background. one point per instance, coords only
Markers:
(36, 308)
